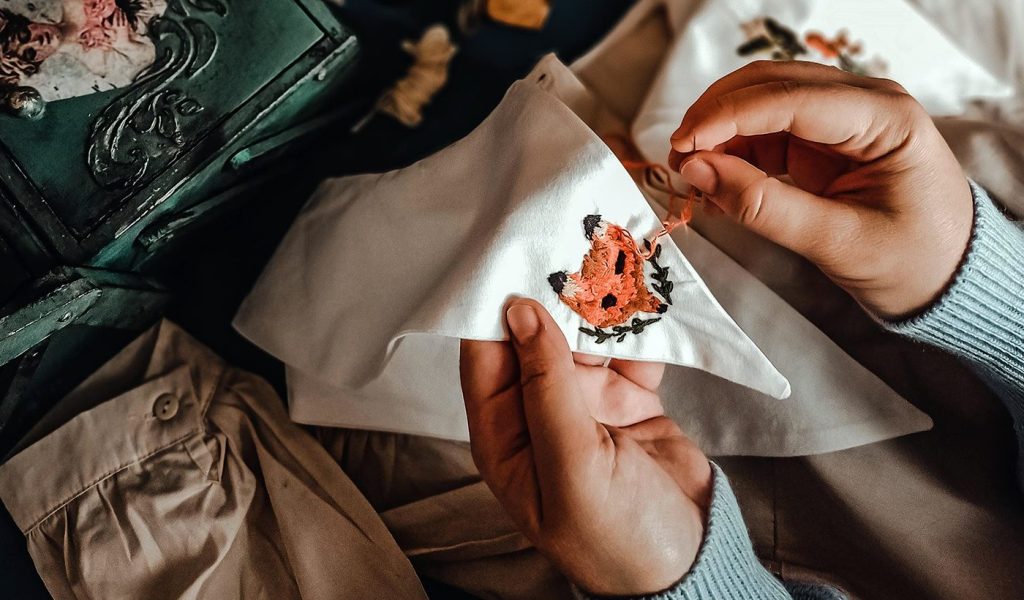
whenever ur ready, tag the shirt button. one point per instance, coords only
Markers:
(165, 407)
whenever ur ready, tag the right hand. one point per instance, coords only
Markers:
(877, 201)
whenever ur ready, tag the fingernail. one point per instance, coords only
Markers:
(700, 175)
(523, 322)
(681, 141)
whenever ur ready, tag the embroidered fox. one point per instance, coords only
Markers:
(610, 287)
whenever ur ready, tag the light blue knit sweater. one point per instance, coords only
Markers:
(979, 318)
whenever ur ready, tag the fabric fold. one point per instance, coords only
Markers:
(412, 384)
(440, 247)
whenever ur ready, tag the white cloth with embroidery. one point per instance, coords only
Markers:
(381, 274)
(895, 41)
(414, 259)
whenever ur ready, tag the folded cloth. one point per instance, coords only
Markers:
(882, 38)
(187, 480)
(381, 274)
(303, 308)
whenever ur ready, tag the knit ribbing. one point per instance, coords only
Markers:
(980, 317)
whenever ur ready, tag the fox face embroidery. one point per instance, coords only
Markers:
(610, 286)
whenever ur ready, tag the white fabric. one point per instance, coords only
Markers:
(437, 249)
(989, 139)
(917, 54)
(310, 306)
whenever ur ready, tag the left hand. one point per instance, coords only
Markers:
(582, 459)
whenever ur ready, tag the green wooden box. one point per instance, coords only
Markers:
(100, 184)
(95, 168)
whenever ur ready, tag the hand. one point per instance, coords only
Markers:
(619, 509)
(876, 200)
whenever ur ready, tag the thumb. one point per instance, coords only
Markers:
(561, 427)
(783, 213)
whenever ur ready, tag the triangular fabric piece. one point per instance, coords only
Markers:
(438, 248)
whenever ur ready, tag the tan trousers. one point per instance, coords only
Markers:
(187, 480)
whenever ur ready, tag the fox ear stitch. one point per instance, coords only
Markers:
(590, 224)
(557, 281)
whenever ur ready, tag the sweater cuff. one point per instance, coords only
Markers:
(726, 567)
(980, 317)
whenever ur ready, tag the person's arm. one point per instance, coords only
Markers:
(980, 316)
(873, 196)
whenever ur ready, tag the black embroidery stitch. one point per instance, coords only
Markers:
(783, 42)
(664, 285)
(636, 327)
(620, 263)
(557, 281)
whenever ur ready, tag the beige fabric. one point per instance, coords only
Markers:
(430, 496)
(189, 481)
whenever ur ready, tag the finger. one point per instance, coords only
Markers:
(767, 71)
(766, 152)
(499, 439)
(785, 214)
(645, 374)
(658, 428)
(615, 400)
(485, 369)
(709, 209)
(592, 360)
(561, 428)
(812, 167)
(872, 123)
(494, 410)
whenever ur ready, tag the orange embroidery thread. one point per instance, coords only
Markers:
(658, 178)
(672, 219)
(610, 286)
